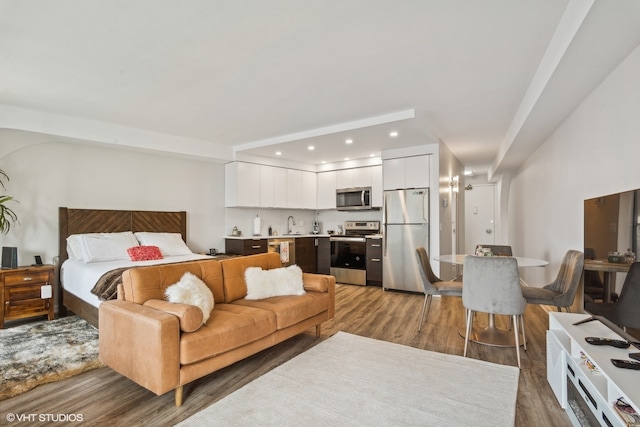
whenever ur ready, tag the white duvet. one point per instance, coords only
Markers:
(79, 278)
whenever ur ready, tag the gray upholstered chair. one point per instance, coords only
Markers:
(433, 285)
(498, 250)
(562, 291)
(625, 312)
(593, 286)
(492, 285)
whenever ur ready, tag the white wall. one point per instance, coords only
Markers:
(595, 152)
(49, 175)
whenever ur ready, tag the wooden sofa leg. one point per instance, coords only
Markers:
(179, 396)
(318, 327)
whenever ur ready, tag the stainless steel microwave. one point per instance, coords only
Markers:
(352, 199)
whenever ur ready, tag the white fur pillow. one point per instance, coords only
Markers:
(191, 290)
(270, 283)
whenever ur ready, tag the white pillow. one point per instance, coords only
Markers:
(98, 247)
(193, 291)
(274, 282)
(169, 243)
(74, 247)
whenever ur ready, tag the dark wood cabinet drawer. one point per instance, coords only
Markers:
(245, 246)
(374, 262)
(26, 278)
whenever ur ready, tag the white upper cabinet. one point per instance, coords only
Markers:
(279, 187)
(267, 186)
(294, 188)
(241, 184)
(376, 186)
(309, 190)
(253, 185)
(353, 178)
(326, 190)
(406, 172)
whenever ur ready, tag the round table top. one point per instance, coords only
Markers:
(522, 261)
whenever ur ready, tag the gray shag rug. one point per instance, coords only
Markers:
(348, 380)
(44, 352)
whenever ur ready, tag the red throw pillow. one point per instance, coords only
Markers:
(144, 253)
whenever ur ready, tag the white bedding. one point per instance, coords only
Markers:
(79, 277)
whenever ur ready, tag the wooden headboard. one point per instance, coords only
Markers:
(79, 221)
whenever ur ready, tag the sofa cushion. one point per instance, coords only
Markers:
(233, 270)
(274, 282)
(290, 310)
(230, 326)
(150, 282)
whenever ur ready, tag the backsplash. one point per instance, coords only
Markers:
(277, 219)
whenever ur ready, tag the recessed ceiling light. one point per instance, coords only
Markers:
(311, 148)
(346, 158)
(278, 153)
(323, 162)
(393, 134)
(349, 141)
(468, 172)
(372, 155)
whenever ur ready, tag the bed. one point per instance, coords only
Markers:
(76, 278)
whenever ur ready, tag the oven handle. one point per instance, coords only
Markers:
(348, 239)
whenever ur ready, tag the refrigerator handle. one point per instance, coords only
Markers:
(384, 240)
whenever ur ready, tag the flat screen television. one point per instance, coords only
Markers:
(611, 225)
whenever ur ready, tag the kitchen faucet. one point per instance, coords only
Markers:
(289, 226)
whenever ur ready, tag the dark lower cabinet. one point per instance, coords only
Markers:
(313, 254)
(245, 246)
(306, 254)
(323, 254)
(374, 262)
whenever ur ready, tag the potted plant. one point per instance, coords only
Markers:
(7, 215)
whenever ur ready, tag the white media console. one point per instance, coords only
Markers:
(582, 376)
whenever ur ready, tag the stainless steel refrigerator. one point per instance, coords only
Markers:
(406, 227)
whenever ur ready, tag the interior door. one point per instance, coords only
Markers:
(479, 216)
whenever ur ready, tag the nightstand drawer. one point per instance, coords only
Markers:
(26, 278)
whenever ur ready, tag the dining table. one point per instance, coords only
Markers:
(492, 334)
(609, 269)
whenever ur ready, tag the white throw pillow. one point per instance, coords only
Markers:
(193, 291)
(170, 244)
(275, 282)
(98, 247)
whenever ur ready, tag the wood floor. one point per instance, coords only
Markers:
(103, 397)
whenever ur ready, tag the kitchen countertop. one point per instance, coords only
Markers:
(280, 236)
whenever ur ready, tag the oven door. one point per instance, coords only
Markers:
(348, 252)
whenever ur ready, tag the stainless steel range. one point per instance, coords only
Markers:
(348, 252)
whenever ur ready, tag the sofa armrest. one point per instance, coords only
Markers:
(190, 316)
(322, 283)
(141, 343)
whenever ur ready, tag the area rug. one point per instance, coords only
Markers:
(44, 352)
(352, 380)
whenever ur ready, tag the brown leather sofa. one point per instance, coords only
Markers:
(152, 342)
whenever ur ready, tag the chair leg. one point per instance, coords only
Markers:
(468, 332)
(425, 310)
(524, 335)
(516, 334)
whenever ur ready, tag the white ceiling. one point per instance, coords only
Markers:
(218, 79)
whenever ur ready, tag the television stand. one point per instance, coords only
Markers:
(581, 375)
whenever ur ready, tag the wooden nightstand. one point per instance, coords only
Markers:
(21, 292)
